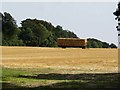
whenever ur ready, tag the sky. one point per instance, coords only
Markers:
(86, 19)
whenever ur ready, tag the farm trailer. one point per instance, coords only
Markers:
(72, 42)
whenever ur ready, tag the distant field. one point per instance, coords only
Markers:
(40, 68)
(82, 60)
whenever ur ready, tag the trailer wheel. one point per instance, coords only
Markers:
(63, 47)
(84, 47)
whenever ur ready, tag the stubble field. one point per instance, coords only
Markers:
(60, 66)
(86, 60)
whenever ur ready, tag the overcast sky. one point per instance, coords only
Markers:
(86, 19)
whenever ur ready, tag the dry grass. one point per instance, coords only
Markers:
(81, 60)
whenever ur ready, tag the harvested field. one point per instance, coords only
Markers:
(73, 60)
(36, 68)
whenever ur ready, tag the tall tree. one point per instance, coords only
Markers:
(40, 32)
(113, 45)
(10, 31)
(9, 27)
(117, 12)
(27, 36)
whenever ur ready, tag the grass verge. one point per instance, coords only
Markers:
(16, 79)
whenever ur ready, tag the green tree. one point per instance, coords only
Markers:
(40, 32)
(50, 41)
(94, 43)
(113, 45)
(105, 45)
(58, 31)
(10, 31)
(9, 27)
(27, 36)
(100, 44)
(117, 12)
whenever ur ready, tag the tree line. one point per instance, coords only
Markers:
(40, 33)
(94, 43)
